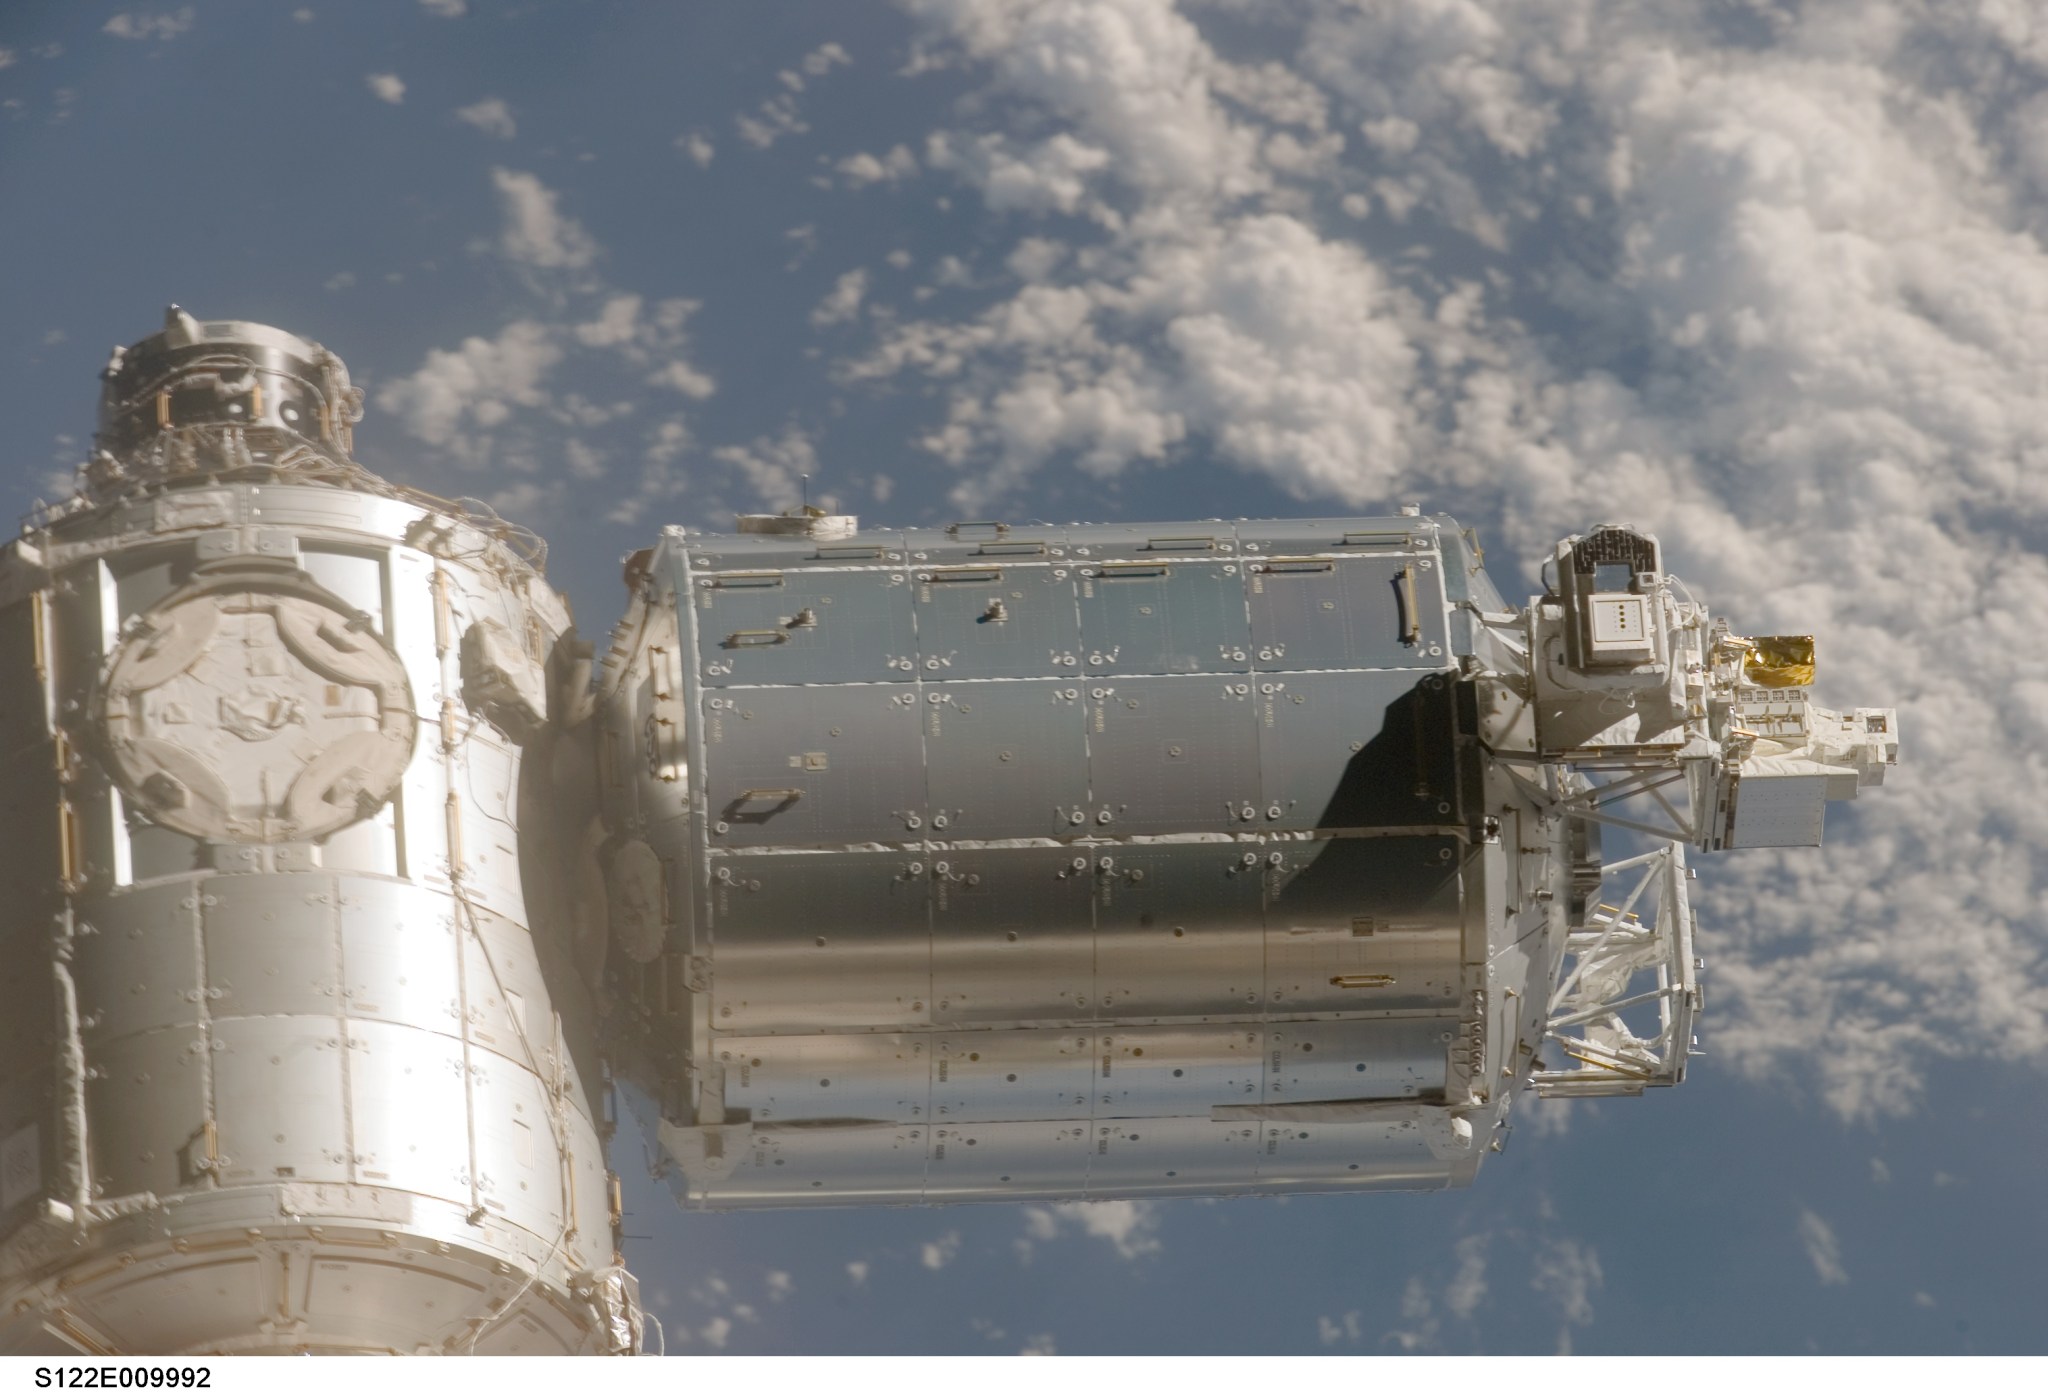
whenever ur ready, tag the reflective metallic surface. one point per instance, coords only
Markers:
(1076, 861)
(967, 864)
(284, 1065)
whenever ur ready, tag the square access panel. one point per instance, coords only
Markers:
(1178, 1071)
(1013, 937)
(815, 623)
(812, 766)
(820, 942)
(1331, 599)
(1161, 610)
(1327, 1061)
(995, 617)
(1366, 924)
(1012, 1076)
(1173, 755)
(853, 1165)
(1180, 932)
(1017, 1160)
(1006, 759)
(1372, 749)
(1153, 1156)
(873, 1077)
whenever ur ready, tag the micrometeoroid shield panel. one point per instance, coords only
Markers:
(271, 1004)
(1047, 862)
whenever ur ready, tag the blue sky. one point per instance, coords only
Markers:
(1765, 278)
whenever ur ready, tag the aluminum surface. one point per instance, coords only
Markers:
(1132, 825)
(930, 865)
(286, 1068)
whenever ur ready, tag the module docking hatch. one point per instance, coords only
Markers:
(977, 863)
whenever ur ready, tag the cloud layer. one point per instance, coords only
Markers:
(1766, 279)
(520, 402)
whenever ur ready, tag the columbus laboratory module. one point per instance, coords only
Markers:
(346, 889)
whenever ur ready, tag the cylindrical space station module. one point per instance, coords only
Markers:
(285, 1067)
(994, 863)
(982, 862)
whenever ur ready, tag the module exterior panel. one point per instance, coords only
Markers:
(1172, 755)
(803, 625)
(1179, 933)
(1199, 781)
(994, 618)
(1012, 938)
(769, 970)
(1005, 759)
(813, 766)
(1144, 612)
(1372, 749)
(286, 979)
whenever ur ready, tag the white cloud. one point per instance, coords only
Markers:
(1036, 258)
(771, 468)
(858, 1272)
(1131, 1227)
(843, 303)
(585, 461)
(1778, 301)
(386, 87)
(1331, 1331)
(616, 325)
(491, 116)
(653, 338)
(1041, 1344)
(1544, 1117)
(1817, 1237)
(493, 401)
(1052, 176)
(1568, 1273)
(660, 481)
(1418, 1312)
(825, 57)
(536, 233)
(698, 147)
(942, 1251)
(488, 401)
(779, 1284)
(1133, 74)
(474, 387)
(716, 1332)
(678, 375)
(862, 168)
(6, 57)
(446, 9)
(1284, 349)
(1467, 1287)
(1421, 1327)
(771, 121)
(136, 25)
